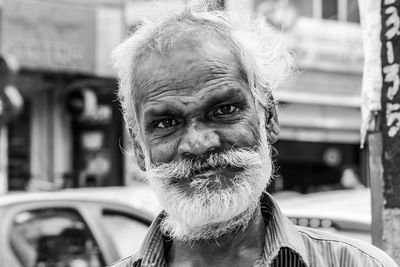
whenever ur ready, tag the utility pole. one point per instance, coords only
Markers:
(380, 108)
(390, 102)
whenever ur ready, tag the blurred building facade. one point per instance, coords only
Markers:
(320, 108)
(70, 129)
(71, 132)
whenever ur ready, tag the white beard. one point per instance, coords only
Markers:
(209, 213)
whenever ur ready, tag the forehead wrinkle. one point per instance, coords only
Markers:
(163, 89)
(172, 74)
(155, 97)
(151, 87)
(168, 95)
(193, 75)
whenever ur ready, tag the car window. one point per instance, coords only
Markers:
(126, 231)
(53, 237)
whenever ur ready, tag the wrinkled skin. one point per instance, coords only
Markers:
(191, 103)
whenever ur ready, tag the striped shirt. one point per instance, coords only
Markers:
(286, 245)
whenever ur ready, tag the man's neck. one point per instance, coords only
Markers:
(241, 248)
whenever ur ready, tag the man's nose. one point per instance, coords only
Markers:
(197, 141)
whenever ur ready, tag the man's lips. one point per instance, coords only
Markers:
(216, 178)
(210, 171)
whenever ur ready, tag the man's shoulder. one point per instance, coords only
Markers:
(344, 248)
(131, 261)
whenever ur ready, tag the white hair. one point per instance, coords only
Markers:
(263, 62)
(263, 58)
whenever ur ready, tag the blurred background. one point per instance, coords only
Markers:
(61, 128)
(70, 133)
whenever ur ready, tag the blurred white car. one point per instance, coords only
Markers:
(346, 212)
(96, 226)
(90, 227)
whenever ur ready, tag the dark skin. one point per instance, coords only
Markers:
(191, 103)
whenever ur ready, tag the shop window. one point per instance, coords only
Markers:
(19, 149)
(330, 9)
(53, 237)
(325, 166)
(303, 7)
(353, 14)
(345, 10)
(96, 156)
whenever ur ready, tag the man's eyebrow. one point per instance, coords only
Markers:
(210, 100)
(166, 109)
(228, 95)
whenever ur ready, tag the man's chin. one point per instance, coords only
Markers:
(180, 230)
(212, 202)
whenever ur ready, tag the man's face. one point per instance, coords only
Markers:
(201, 131)
(193, 102)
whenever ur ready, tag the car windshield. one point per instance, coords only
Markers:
(53, 237)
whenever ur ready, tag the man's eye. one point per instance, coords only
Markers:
(166, 123)
(226, 109)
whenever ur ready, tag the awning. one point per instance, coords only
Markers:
(321, 107)
(320, 123)
(320, 87)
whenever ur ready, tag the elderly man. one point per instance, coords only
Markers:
(196, 91)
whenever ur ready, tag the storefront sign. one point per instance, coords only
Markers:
(391, 69)
(327, 45)
(48, 35)
(318, 44)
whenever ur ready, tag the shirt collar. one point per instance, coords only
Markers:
(152, 252)
(280, 232)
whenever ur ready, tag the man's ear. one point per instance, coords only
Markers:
(138, 151)
(272, 124)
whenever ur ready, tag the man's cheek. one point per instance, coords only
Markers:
(243, 135)
(162, 153)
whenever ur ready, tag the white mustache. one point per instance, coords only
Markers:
(242, 158)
